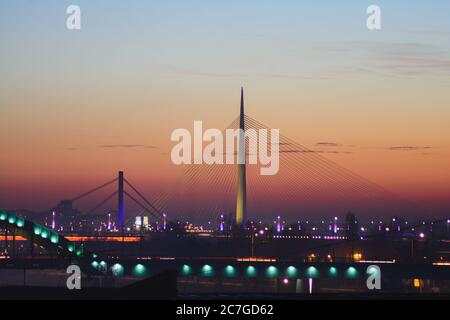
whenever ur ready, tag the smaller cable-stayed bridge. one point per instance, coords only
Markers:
(120, 193)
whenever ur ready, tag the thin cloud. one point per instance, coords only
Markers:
(431, 33)
(409, 148)
(282, 144)
(427, 153)
(297, 151)
(111, 146)
(335, 152)
(315, 151)
(401, 59)
(327, 144)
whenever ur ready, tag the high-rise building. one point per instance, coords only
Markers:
(63, 215)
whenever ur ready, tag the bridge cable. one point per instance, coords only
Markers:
(93, 190)
(145, 200)
(102, 203)
(141, 205)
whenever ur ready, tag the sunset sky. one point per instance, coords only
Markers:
(77, 106)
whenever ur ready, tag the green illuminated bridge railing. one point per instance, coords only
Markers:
(44, 237)
(206, 267)
(230, 268)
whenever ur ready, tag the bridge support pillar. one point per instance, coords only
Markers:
(241, 198)
(6, 241)
(32, 246)
(121, 207)
(14, 244)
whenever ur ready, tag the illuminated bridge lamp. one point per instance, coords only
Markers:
(95, 265)
(291, 272)
(251, 272)
(372, 271)
(37, 229)
(207, 271)
(54, 238)
(3, 215)
(186, 270)
(12, 219)
(103, 266)
(117, 270)
(230, 271)
(45, 233)
(139, 270)
(70, 247)
(20, 222)
(79, 252)
(333, 271)
(312, 272)
(351, 273)
(271, 272)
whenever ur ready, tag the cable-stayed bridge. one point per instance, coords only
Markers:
(306, 180)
